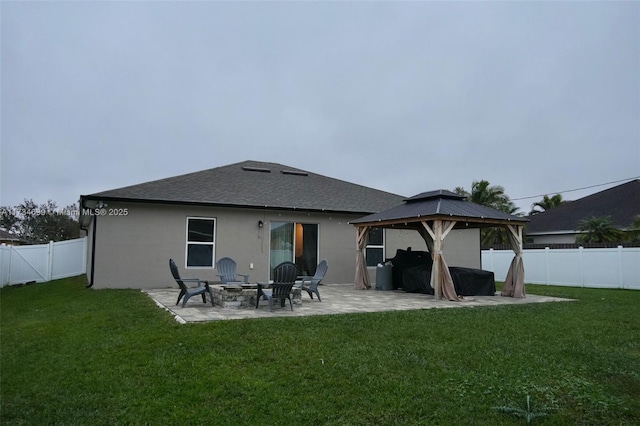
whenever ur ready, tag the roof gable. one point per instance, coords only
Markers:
(257, 184)
(621, 203)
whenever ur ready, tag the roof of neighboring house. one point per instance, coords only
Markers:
(621, 203)
(257, 184)
(8, 236)
(439, 204)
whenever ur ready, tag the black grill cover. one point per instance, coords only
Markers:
(417, 280)
(405, 259)
(467, 281)
(412, 272)
(473, 282)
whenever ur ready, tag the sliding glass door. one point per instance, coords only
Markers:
(294, 242)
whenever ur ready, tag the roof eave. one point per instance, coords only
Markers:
(535, 234)
(96, 197)
(470, 222)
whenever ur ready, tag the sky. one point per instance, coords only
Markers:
(405, 97)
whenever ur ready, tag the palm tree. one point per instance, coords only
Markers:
(461, 191)
(482, 192)
(598, 230)
(633, 231)
(546, 203)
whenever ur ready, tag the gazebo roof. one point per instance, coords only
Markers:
(433, 214)
(440, 204)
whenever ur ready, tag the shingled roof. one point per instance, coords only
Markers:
(255, 184)
(439, 204)
(8, 236)
(621, 203)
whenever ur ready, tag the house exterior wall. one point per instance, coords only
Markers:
(132, 250)
(461, 246)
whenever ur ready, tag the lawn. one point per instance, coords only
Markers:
(71, 355)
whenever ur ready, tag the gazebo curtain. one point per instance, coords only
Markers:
(362, 276)
(441, 280)
(514, 282)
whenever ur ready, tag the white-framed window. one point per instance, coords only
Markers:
(374, 252)
(201, 242)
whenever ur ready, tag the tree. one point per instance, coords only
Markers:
(461, 191)
(633, 231)
(598, 230)
(482, 192)
(547, 203)
(9, 221)
(41, 223)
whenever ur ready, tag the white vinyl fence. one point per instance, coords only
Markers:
(581, 267)
(42, 262)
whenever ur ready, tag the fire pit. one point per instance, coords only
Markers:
(237, 296)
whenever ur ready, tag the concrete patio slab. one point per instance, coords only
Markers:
(336, 299)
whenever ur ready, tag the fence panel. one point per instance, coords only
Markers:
(594, 267)
(630, 268)
(535, 266)
(5, 261)
(42, 262)
(69, 257)
(29, 263)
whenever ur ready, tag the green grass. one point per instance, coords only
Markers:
(72, 355)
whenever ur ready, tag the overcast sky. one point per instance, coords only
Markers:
(406, 97)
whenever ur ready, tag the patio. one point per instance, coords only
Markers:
(336, 299)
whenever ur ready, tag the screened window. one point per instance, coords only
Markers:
(201, 242)
(374, 252)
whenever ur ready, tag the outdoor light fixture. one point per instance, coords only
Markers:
(260, 224)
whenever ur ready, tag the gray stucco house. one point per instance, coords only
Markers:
(560, 225)
(257, 213)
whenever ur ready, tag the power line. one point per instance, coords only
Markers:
(577, 189)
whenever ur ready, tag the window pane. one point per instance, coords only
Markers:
(201, 230)
(374, 256)
(199, 255)
(375, 236)
(281, 243)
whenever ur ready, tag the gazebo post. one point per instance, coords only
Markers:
(514, 281)
(362, 275)
(437, 251)
(440, 276)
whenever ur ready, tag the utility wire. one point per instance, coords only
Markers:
(577, 189)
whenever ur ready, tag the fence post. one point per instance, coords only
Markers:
(10, 261)
(491, 260)
(620, 274)
(546, 265)
(50, 262)
(580, 253)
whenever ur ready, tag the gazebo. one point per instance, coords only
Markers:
(433, 215)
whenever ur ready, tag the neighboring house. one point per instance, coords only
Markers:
(257, 213)
(560, 225)
(11, 240)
